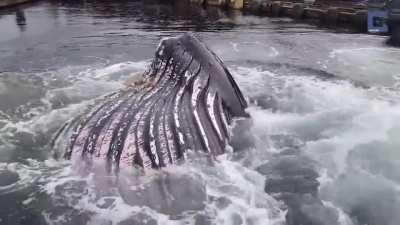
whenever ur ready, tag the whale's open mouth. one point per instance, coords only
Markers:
(185, 102)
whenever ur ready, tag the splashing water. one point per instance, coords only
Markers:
(348, 130)
(321, 144)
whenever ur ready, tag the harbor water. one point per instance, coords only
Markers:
(324, 119)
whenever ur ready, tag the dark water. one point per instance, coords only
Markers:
(324, 131)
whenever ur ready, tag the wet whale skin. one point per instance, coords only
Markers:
(184, 103)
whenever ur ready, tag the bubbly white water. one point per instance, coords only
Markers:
(332, 96)
(349, 130)
(232, 193)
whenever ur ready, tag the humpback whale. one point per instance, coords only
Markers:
(185, 102)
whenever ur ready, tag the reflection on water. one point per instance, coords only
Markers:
(20, 19)
(67, 32)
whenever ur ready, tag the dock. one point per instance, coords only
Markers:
(371, 16)
(333, 13)
(353, 15)
(8, 3)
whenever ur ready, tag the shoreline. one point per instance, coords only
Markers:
(357, 16)
(10, 3)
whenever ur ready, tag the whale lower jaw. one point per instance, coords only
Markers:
(185, 102)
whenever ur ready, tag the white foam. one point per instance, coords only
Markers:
(373, 65)
(87, 84)
(334, 119)
(243, 187)
(123, 67)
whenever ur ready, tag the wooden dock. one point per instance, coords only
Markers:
(7, 3)
(333, 13)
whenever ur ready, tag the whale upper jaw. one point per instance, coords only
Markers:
(186, 101)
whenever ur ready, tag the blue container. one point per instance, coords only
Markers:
(378, 21)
